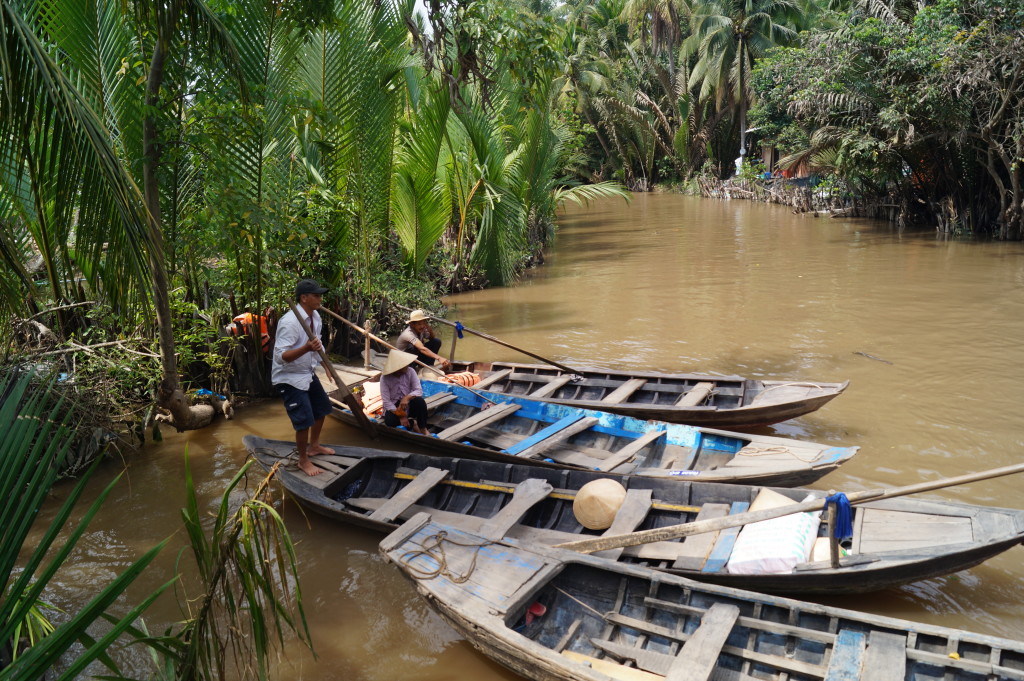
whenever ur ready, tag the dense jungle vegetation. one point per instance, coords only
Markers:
(165, 166)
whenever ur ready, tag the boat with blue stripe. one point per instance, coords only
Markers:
(479, 424)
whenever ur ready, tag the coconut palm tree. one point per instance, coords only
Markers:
(421, 203)
(727, 37)
(355, 71)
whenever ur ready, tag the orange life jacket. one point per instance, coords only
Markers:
(247, 319)
(463, 378)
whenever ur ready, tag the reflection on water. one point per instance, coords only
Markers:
(677, 283)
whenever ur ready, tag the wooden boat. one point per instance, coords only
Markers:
(519, 430)
(697, 399)
(551, 614)
(894, 541)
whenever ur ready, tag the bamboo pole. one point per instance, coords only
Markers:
(346, 395)
(833, 541)
(491, 338)
(740, 519)
(392, 347)
(366, 348)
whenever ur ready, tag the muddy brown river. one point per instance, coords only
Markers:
(928, 331)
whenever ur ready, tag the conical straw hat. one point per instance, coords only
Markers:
(597, 502)
(398, 360)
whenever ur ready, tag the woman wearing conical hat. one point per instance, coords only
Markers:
(402, 394)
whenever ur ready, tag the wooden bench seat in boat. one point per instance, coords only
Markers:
(409, 495)
(630, 450)
(696, 395)
(478, 420)
(551, 436)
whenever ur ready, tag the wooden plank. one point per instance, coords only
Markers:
(696, 395)
(438, 400)
(696, 547)
(634, 509)
(528, 493)
(343, 461)
(750, 622)
(478, 420)
(498, 439)
(699, 656)
(624, 391)
(719, 555)
(658, 663)
(630, 450)
(847, 656)
(559, 437)
(648, 660)
(542, 434)
(567, 637)
(492, 379)
(609, 668)
(858, 529)
(886, 656)
(319, 481)
(412, 493)
(551, 387)
(778, 661)
(884, 530)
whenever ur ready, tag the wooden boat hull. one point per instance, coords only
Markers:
(894, 541)
(728, 402)
(612, 443)
(550, 615)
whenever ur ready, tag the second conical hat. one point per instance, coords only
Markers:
(597, 502)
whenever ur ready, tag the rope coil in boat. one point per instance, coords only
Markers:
(765, 450)
(433, 547)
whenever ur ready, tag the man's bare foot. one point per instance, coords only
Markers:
(318, 448)
(308, 468)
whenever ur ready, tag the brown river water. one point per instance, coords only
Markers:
(677, 284)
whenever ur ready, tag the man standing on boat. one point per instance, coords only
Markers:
(419, 339)
(296, 357)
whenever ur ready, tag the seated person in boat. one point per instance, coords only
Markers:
(419, 339)
(402, 395)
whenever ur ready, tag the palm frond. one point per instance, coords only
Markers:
(37, 439)
(422, 207)
(583, 194)
(49, 128)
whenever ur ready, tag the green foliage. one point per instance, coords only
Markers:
(920, 109)
(38, 434)
(251, 595)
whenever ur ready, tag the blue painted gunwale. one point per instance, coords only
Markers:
(612, 424)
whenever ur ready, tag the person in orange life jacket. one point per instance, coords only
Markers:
(293, 373)
(402, 394)
(419, 339)
(247, 320)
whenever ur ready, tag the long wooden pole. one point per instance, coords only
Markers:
(346, 395)
(392, 347)
(740, 519)
(491, 338)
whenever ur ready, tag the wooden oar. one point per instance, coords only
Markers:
(702, 526)
(346, 395)
(491, 338)
(392, 347)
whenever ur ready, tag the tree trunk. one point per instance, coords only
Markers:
(169, 393)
